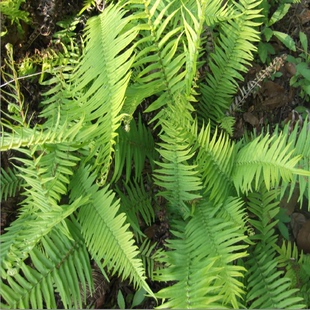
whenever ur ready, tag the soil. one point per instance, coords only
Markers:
(274, 103)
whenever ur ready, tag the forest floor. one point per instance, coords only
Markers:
(274, 104)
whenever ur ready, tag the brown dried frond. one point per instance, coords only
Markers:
(253, 86)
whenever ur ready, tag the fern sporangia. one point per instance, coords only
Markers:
(94, 171)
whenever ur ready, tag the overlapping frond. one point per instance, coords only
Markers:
(288, 257)
(297, 268)
(97, 89)
(202, 259)
(267, 286)
(178, 178)
(136, 50)
(233, 52)
(215, 234)
(21, 137)
(192, 271)
(215, 162)
(149, 256)
(28, 230)
(106, 233)
(58, 264)
(57, 164)
(160, 55)
(265, 159)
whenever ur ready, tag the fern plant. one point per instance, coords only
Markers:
(94, 173)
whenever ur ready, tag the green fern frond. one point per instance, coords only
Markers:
(265, 207)
(194, 274)
(215, 161)
(11, 8)
(59, 161)
(232, 210)
(178, 178)
(148, 256)
(134, 145)
(265, 159)
(160, 56)
(227, 123)
(98, 90)
(87, 4)
(232, 54)
(30, 227)
(13, 97)
(297, 268)
(299, 141)
(193, 27)
(291, 260)
(218, 234)
(304, 276)
(10, 183)
(207, 239)
(136, 202)
(267, 286)
(30, 137)
(106, 234)
(58, 263)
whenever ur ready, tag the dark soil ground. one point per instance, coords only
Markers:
(275, 103)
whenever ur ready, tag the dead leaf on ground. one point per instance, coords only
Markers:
(303, 238)
(297, 221)
(274, 96)
(250, 118)
(305, 17)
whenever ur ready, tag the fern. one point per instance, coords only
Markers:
(232, 53)
(215, 160)
(149, 257)
(208, 238)
(296, 268)
(10, 183)
(267, 287)
(270, 160)
(178, 178)
(88, 183)
(194, 276)
(58, 262)
(299, 140)
(159, 55)
(99, 222)
(11, 8)
(136, 204)
(135, 145)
